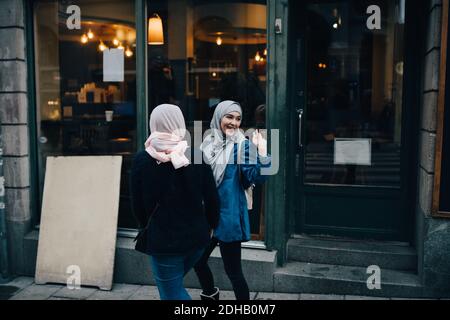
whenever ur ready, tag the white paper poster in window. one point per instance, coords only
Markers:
(113, 65)
(353, 151)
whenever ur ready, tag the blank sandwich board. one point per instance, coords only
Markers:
(77, 235)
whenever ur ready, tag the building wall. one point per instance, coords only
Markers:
(14, 119)
(432, 234)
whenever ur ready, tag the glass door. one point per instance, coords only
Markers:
(349, 105)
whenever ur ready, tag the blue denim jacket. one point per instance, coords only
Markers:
(234, 221)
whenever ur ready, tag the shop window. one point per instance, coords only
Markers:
(354, 94)
(207, 52)
(80, 109)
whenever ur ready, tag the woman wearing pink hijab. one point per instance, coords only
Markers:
(175, 202)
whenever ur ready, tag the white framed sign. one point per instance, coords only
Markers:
(353, 151)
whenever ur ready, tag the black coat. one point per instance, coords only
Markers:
(186, 202)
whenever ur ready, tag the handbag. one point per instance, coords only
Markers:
(143, 230)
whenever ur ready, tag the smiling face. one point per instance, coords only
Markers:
(230, 123)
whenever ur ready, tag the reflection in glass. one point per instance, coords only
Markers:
(77, 112)
(355, 80)
(212, 51)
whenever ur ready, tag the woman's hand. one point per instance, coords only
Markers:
(260, 143)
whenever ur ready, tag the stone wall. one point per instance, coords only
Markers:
(432, 234)
(14, 119)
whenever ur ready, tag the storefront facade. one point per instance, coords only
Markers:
(331, 77)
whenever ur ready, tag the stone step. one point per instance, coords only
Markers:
(297, 277)
(386, 255)
(133, 267)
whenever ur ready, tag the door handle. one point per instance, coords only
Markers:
(300, 117)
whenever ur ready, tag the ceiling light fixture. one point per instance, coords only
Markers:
(155, 30)
(102, 46)
(257, 57)
(128, 52)
(84, 39)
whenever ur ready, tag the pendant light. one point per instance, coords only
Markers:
(102, 46)
(84, 39)
(257, 57)
(155, 30)
(128, 52)
(90, 34)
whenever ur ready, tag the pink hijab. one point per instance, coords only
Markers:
(166, 142)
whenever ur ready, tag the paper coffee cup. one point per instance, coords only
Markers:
(109, 115)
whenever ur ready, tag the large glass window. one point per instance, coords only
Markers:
(206, 52)
(81, 110)
(354, 93)
(199, 53)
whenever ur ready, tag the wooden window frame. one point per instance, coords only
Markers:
(436, 211)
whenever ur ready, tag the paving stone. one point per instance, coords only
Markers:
(6, 292)
(119, 292)
(21, 282)
(146, 293)
(37, 292)
(411, 299)
(350, 297)
(195, 293)
(229, 295)
(306, 296)
(79, 294)
(224, 295)
(13, 287)
(277, 296)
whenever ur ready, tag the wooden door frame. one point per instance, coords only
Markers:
(436, 210)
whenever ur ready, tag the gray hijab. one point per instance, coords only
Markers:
(217, 148)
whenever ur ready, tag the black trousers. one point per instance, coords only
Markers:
(231, 256)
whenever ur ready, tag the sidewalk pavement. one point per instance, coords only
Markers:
(24, 288)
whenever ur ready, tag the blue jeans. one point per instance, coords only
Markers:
(169, 271)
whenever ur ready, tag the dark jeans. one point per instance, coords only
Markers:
(169, 271)
(231, 256)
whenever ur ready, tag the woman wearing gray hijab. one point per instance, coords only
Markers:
(236, 164)
(175, 202)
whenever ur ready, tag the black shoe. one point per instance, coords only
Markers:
(214, 296)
